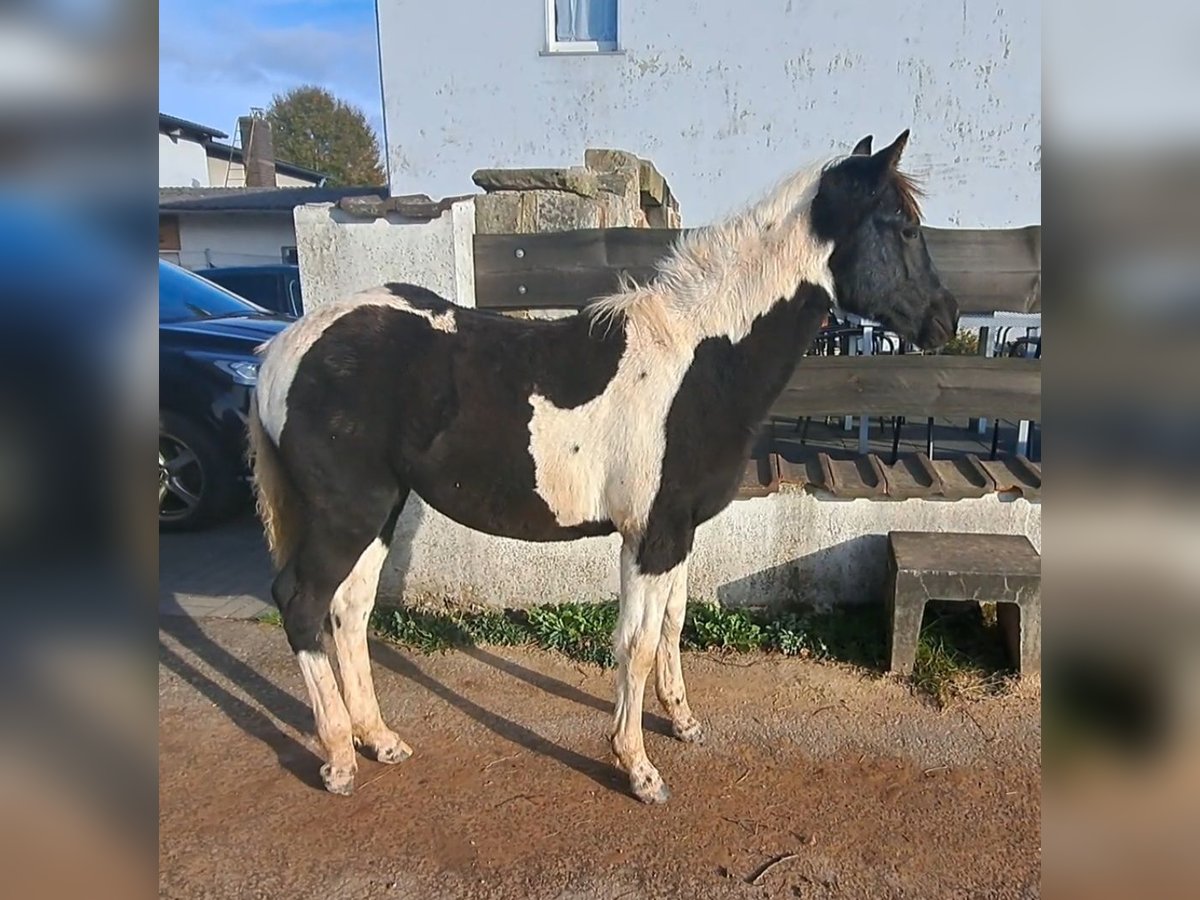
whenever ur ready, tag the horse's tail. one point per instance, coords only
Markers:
(275, 498)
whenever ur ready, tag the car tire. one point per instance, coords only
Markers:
(198, 483)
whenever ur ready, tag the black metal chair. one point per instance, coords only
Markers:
(1029, 347)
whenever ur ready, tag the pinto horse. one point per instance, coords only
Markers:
(635, 416)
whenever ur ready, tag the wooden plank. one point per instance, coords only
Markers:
(989, 270)
(914, 386)
(564, 269)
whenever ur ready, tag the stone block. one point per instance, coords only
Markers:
(603, 160)
(575, 180)
(558, 211)
(507, 212)
(1000, 568)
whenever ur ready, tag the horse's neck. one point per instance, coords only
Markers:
(748, 376)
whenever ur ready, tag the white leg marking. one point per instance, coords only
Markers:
(333, 721)
(350, 611)
(668, 682)
(643, 604)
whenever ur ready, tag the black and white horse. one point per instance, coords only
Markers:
(635, 416)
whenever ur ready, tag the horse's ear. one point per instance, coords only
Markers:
(863, 147)
(890, 155)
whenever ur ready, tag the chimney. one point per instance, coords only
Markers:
(258, 153)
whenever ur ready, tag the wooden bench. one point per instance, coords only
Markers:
(1000, 568)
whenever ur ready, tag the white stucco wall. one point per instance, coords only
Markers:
(181, 163)
(340, 254)
(726, 96)
(236, 239)
(791, 546)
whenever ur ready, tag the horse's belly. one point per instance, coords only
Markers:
(494, 508)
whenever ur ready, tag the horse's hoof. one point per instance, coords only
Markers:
(392, 752)
(651, 789)
(690, 733)
(338, 780)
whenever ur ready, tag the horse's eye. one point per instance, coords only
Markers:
(909, 233)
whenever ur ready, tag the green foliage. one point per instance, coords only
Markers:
(711, 626)
(965, 343)
(271, 617)
(960, 654)
(580, 631)
(310, 127)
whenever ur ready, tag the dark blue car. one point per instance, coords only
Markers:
(207, 371)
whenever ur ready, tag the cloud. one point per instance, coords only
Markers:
(221, 58)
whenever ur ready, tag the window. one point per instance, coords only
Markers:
(581, 26)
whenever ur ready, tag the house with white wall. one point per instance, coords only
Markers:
(726, 96)
(191, 155)
(201, 228)
(226, 205)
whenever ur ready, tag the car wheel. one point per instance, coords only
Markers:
(197, 483)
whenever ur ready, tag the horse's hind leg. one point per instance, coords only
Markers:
(352, 605)
(668, 682)
(304, 589)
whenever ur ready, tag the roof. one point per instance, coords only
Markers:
(234, 154)
(192, 129)
(208, 138)
(255, 199)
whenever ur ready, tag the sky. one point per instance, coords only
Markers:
(219, 58)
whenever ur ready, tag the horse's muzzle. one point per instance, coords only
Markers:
(941, 322)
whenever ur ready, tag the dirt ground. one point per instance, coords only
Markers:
(512, 793)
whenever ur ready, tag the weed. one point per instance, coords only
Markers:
(960, 654)
(708, 625)
(578, 630)
(271, 617)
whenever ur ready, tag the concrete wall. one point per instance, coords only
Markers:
(181, 163)
(234, 239)
(791, 546)
(726, 96)
(340, 253)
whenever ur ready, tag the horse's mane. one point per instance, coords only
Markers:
(718, 278)
(769, 239)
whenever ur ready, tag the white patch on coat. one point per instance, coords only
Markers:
(602, 461)
(351, 607)
(715, 283)
(283, 353)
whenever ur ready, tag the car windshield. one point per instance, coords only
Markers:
(183, 295)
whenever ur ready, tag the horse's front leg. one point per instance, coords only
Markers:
(639, 626)
(668, 682)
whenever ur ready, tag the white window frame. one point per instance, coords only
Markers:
(555, 47)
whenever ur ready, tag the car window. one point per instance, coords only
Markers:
(183, 295)
(257, 287)
(296, 298)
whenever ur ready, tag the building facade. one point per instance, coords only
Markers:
(726, 96)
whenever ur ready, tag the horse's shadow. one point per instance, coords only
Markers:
(551, 685)
(300, 761)
(292, 755)
(605, 774)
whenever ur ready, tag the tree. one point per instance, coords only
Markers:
(312, 128)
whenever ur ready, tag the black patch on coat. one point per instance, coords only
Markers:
(722, 401)
(445, 414)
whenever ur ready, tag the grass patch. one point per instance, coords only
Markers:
(960, 654)
(271, 617)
